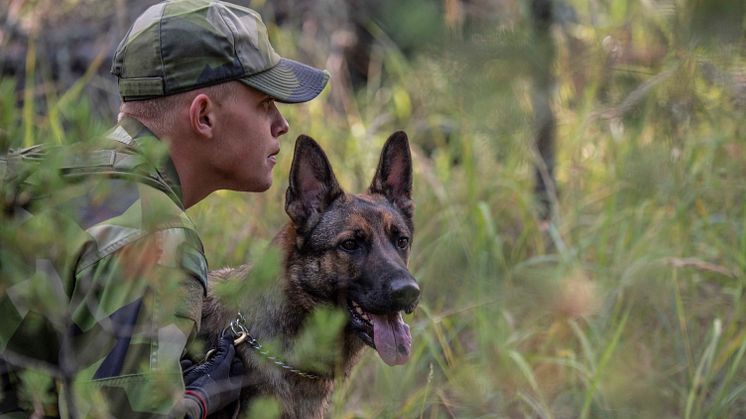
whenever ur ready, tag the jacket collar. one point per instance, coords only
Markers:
(133, 133)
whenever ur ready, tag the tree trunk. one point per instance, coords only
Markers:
(545, 189)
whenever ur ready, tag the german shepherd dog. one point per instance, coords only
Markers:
(340, 250)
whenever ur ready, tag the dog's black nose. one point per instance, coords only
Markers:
(404, 292)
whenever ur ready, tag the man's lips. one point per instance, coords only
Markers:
(273, 157)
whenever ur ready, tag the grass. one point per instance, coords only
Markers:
(630, 305)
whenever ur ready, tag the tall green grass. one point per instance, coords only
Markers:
(629, 305)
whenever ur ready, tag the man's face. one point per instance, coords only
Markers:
(247, 129)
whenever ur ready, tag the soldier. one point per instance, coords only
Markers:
(123, 293)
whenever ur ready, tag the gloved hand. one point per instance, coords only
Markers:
(215, 383)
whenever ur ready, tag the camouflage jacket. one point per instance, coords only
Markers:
(96, 316)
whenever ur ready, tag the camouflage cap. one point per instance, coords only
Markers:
(181, 45)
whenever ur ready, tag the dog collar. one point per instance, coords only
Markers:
(237, 327)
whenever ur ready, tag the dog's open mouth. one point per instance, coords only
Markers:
(388, 334)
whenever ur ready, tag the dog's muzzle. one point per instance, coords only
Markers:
(380, 324)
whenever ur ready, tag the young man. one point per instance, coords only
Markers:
(199, 80)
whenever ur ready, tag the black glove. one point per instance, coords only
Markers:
(216, 382)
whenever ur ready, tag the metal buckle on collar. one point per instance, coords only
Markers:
(239, 330)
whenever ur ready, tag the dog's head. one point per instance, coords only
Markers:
(352, 250)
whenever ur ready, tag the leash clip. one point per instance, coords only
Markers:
(240, 339)
(240, 331)
(238, 325)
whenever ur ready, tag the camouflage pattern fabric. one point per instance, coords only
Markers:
(182, 45)
(97, 316)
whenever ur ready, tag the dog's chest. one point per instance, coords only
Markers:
(299, 397)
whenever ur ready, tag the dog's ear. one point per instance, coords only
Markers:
(393, 177)
(312, 187)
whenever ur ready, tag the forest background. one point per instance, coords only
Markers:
(580, 181)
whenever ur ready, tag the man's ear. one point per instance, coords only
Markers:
(312, 187)
(201, 116)
(393, 178)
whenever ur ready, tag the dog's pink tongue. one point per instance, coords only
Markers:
(392, 338)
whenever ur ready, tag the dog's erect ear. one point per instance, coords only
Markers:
(393, 177)
(312, 187)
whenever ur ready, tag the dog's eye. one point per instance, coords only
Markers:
(402, 242)
(349, 245)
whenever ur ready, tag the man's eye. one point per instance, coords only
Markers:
(349, 245)
(267, 103)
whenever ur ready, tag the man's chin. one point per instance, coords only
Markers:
(248, 184)
(262, 188)
(255, 186)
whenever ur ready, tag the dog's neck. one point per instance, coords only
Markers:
(288, 306)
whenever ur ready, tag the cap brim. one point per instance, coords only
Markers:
(289, 81)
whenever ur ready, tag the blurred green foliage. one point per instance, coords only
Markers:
(318, 346)
(635, 308)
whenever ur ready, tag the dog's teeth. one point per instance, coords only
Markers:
(356, 307)
(362, 314)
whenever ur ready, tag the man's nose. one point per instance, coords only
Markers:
(280, 125)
